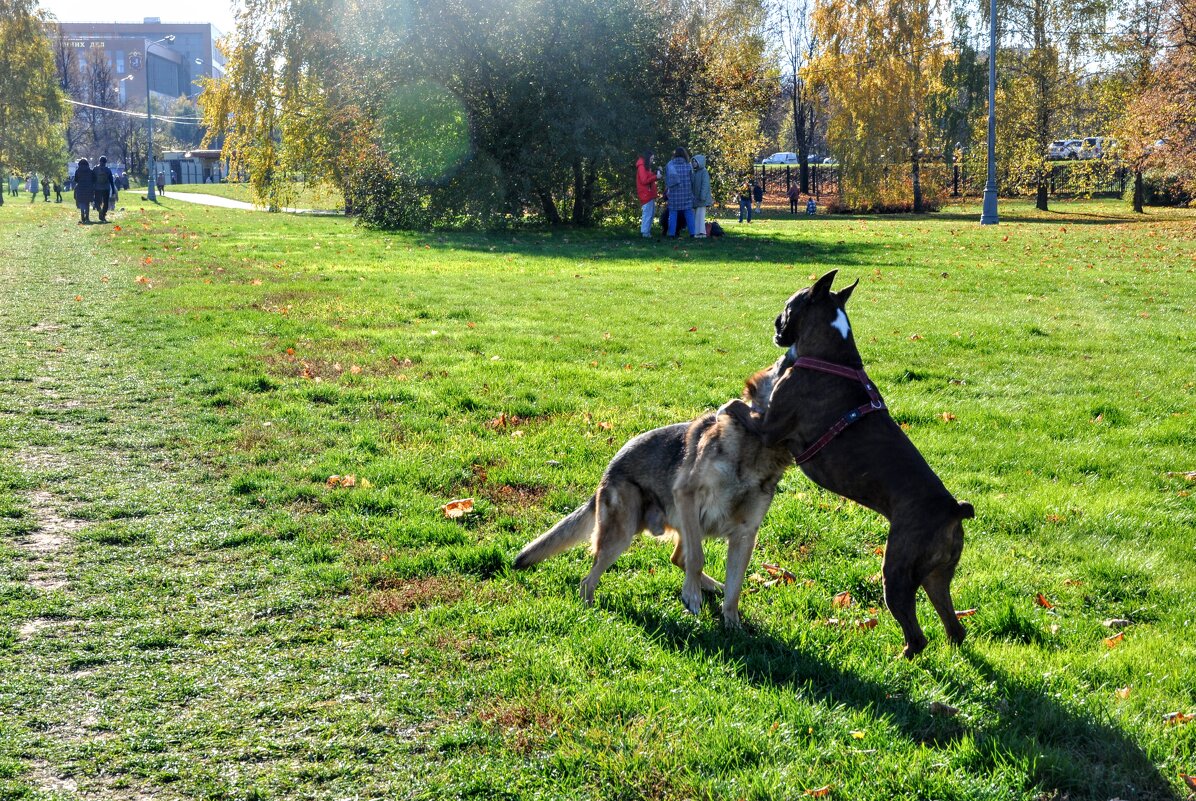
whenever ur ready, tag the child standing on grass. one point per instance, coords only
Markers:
(745, 200)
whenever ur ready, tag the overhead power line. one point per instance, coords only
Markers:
(138, 114)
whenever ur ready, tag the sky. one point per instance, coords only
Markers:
(217, 12)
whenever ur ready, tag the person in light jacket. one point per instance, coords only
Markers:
(702, 196)
(645, 188)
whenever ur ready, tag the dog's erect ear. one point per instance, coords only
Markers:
(843, 294)
(822, 286)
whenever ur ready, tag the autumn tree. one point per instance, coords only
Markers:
(469, 110)
(1159, 127)
(1048, 43)
(32, 105)
(798, 46)
(879, 66)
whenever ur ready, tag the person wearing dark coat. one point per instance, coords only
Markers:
(103, 187)
(85, 191)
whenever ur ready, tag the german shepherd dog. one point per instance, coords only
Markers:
(871, 461)
(710, 470)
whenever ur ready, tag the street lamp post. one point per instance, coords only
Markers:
(149, 119)
(988, 216)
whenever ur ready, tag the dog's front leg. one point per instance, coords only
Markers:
(686, 498)
(739, 553)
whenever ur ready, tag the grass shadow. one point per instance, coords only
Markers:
(1068, 755)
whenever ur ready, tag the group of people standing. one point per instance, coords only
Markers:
(686, 192)
(94, 187)
(33, 185)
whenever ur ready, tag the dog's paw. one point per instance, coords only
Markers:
(691, 597)
(731, 619)
(587, 593)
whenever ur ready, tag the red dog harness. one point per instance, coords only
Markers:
(854, 373)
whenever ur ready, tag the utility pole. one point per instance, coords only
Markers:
(149, 120)
(988, 215)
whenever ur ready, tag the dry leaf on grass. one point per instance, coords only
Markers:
(842, 600)
(1122, 693)
(779, 573)
(1176, 718)
(342, 481)
(1115, 640)
(457, 508)
(1189, 780)
(821, 792)
(1042, 601)
(868, 623)
(962, 613)
(939, 708)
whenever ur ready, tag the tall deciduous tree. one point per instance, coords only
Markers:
(435, 113)
(1048, 44)
(32, 105)
(798, 47)
(880, 65)
(1159, 130)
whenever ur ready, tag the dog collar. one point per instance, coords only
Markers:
(875, 403)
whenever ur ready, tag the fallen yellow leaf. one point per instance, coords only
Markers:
(457, 508)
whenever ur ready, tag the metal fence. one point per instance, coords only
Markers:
(964, 179)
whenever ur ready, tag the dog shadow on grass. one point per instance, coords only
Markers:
(1073, 756)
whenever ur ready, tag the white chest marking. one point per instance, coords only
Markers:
(840, 324)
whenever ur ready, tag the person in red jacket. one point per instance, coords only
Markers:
(645, 187)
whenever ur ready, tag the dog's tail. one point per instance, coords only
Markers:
(574, 529)
(965, 510)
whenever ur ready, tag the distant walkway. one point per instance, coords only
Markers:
(229, 203)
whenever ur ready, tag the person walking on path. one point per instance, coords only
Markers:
(794, 196)
(161, 182)
(702, 196)
(102, 177)
(645, 188)
(758, 196)
(14, 184)
(57, 191)
(85, 190)
(31, 185)
(679, 176)
(745, 200)
(46, 189)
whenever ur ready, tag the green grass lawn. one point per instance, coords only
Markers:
(188, 608)
(305, 197)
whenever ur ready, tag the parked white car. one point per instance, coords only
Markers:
(780, 158)
(1064, 149)
(1097, 147)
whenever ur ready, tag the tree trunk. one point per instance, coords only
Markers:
(1040, 200)
(549, 207)
(579, 197)
(916, 175)
(1139, 193)
(802, 140)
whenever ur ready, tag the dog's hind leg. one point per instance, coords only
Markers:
(618, 519)
(708, 584)
(901, 587)
(938, 589)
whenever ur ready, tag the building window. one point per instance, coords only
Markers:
(120, 62)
